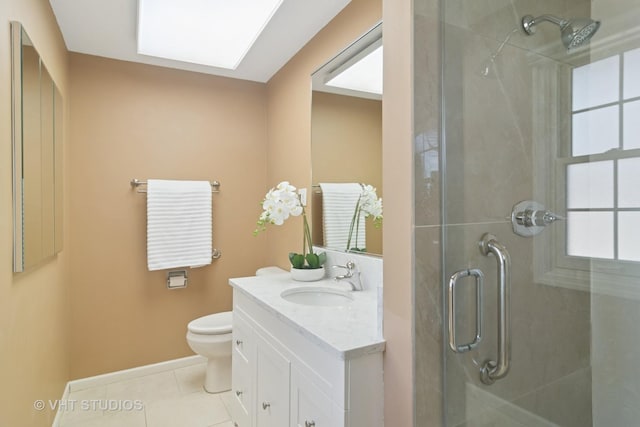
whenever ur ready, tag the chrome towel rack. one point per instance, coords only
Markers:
(215, 188)
(136, 183)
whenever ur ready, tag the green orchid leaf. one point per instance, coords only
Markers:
(323, 257)
(313, 260)
(316, 260)
(297, 260)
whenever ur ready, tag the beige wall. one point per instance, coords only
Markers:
(346, 147)
(397, 172)
(137, 121)
(34, 329)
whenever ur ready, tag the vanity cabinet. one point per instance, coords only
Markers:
(281, 377)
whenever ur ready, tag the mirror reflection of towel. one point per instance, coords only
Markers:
(178, 224)
(338, 206)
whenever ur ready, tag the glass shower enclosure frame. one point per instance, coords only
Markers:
(535, 165)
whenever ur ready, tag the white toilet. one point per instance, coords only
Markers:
(210, 336)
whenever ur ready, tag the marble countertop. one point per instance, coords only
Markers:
(348, 331)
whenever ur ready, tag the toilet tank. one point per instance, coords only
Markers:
(266, 271)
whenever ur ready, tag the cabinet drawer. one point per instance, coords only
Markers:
(243, 340)
(241, 398)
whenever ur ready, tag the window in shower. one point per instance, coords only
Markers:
(603, 170)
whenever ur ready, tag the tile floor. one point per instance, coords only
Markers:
(172, 398)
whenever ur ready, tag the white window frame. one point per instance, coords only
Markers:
(552, 265)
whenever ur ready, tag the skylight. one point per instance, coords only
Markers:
(365, 75)
(218, 33)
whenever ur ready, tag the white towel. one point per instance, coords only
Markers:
(178, 224)
(338, 206)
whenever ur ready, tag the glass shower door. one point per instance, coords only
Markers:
(541, 212)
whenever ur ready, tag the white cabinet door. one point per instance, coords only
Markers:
(310, 407)
(272, 386)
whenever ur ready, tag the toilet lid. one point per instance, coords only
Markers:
(213, 324)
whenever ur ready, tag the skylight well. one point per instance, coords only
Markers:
(218, 33)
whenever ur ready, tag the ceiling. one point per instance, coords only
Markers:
(108, 29)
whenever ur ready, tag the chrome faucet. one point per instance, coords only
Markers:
(352, 276)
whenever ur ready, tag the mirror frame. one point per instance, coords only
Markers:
(54, 125)
(16, 132)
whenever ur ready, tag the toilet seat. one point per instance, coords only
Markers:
(213, 324)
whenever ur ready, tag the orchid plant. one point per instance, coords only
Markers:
(278, 205)
(370, 206)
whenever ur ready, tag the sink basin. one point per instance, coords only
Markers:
(319, 296)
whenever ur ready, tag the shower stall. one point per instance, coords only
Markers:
(527, 212)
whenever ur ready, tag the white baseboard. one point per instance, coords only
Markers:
(140, 371)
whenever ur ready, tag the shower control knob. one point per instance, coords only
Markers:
(532, 218)
(529, 218)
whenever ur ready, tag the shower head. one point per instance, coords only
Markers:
(573, 32)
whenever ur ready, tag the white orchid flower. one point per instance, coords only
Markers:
(370, 204)
(279, 203)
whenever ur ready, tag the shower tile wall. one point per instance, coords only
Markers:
(429, 365)
(616, 376)
(490, 165)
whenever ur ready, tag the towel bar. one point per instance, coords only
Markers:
(136, 183)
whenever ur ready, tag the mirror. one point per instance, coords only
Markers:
(37, 155)
(346, 139)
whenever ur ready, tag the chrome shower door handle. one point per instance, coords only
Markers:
(453, 281)
(492, 371)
